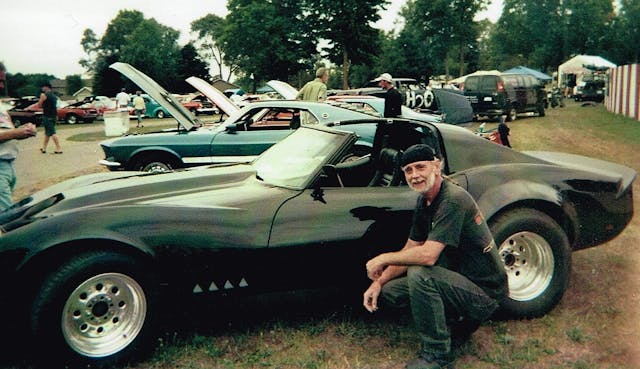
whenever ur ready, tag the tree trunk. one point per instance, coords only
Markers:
(461, 61)
(345, 70)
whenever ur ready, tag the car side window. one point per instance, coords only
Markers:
(276, 118)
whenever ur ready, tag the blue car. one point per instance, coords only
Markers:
(244, 135)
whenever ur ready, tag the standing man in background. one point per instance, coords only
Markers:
(139, 106)
(392, 99)
(8, 153)
(122, 98)
(315, 90)
(48, 102)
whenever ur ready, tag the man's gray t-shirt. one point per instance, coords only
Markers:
(455, 220)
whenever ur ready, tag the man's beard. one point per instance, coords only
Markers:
(428, 184)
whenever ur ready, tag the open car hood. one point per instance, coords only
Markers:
(159, 94)
(216, 96)
(283, 88)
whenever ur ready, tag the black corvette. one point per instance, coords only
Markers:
(98, 256)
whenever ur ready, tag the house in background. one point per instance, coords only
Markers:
(82, 93)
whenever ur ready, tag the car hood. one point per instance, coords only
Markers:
(283, 88)
(223, 103)
(125, 188)
(159, 94)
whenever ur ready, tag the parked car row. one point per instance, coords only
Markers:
(26, 110)
(99, 257)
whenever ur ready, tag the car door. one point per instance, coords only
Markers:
(326, 235)
(253, 133)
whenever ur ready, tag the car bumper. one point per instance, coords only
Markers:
(112, 165)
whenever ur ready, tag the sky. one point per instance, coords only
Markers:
(44, 36)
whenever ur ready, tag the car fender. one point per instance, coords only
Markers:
(148, 149)
(52, 240)
(494, 199)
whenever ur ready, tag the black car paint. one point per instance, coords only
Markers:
(220, 232)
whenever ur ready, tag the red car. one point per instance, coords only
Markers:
(21, 112)
(75, 112)
(199, 105)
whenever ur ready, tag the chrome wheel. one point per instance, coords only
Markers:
(104, 314)
(157, 167)
(529, 262)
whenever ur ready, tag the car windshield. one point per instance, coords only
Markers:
(294, 160)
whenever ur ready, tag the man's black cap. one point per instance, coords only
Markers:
(419, 152)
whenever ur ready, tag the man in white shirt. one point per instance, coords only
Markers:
(122, 98)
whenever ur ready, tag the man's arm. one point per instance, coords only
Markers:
(388, 266)
(41, 100)
(24, 131)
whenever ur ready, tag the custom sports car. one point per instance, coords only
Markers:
(98, 256)
(244, 135)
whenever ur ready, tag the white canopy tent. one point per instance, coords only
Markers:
(578, 66)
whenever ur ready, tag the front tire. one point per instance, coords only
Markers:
(95, 309)
(71, 119)
(537, 258)
(512, 114)
(160, 114)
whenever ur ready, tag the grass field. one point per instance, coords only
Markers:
(596, 325)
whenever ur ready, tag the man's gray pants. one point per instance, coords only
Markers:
(437, 295)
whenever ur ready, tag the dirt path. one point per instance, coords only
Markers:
(36, 170)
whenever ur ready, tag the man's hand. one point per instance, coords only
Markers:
(371, 297)
(375, 267)
(26, 130)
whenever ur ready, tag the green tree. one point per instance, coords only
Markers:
(74, 83)
(27, 84)
(91, 46)
(589, 22)
(541, 30)
(447, 31)
(143, 43)
(190, 64)
(625, 33)
(347, 25)
(210, 46)
(269, 40)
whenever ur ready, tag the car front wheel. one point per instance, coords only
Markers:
(537, 258)
(95, 309)
(512, 114)
(160, 114)
(71, 119)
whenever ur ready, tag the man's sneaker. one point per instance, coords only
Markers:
(431, 362)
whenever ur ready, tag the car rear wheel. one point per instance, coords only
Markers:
(512, 114)
(71, 119)
(94, 309)
(160, 114)
(537, 258)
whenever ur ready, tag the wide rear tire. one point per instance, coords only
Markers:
(537, 258)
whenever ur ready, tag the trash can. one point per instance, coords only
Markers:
(116, 123)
